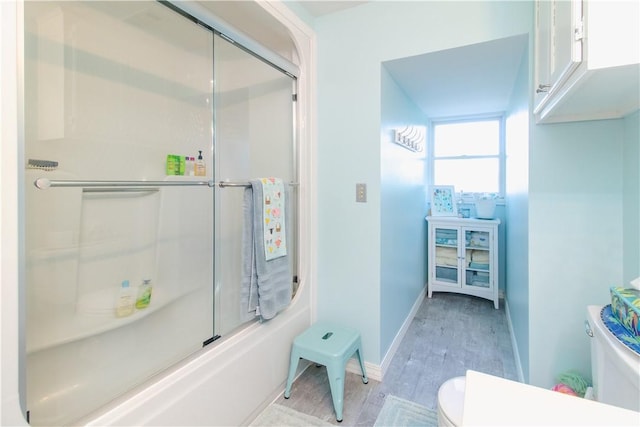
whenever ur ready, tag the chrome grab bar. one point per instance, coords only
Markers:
(44, 183)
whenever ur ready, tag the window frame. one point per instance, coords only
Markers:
(468, 197)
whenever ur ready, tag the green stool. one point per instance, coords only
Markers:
(332, 346)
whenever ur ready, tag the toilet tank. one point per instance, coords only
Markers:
(615, 368)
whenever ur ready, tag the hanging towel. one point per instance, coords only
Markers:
(273, 207)
(266, 279)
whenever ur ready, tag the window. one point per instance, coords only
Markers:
(469, 154)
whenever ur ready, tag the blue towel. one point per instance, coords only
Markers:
(266, 285)
(479, 265)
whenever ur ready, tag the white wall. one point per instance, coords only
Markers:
(11, 408)
(352, 45)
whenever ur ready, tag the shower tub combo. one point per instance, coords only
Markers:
(113, 90)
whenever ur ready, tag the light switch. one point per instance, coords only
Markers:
(361, 193)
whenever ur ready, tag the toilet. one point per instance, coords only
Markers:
(614, 370)
(614, 366)
(451, 402)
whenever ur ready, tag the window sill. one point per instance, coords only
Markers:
(470, 198)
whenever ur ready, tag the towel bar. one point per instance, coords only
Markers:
(223, 184)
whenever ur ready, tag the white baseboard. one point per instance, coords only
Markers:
(514, 343)
(374, 372)
(377, 372)
(386, 361)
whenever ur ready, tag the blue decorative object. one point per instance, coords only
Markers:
(618, 330)
(625, 305)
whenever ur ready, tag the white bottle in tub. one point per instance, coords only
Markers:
(125, 301)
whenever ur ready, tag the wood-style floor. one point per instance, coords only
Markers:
(450, 334)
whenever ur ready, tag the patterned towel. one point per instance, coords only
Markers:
(275, 243)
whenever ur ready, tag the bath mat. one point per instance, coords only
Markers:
(278, 415)
(398, 412)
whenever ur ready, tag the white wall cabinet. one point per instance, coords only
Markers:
(463, 256)
(587, 60)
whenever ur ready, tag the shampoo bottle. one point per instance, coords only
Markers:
(188, 166)
(182, 165)
(201, 167)
(125, 301)
(144, 294)
(191, 165)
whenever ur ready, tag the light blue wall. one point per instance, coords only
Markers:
(575, 239)
(402, 206)
(573, 192)
(631, 204)
(351, 46)
(517, 212)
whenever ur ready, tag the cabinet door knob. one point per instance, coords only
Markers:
(543, 88)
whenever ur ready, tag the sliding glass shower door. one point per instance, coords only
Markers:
(115, 92)
(112, 89)
(254, 138)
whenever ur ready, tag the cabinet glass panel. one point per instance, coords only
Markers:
(477, 259)
(446, 255)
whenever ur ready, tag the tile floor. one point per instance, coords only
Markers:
(450, 334)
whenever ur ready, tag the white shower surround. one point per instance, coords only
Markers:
(227, 384)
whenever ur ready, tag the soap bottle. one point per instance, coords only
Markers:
(201, 167)
(125, 301)
(144, 294)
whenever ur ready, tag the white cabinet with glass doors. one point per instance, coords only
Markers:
(463, 256)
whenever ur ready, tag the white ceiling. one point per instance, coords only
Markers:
(466, 80)
(320, 8)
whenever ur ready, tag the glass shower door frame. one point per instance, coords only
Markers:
(254, 137)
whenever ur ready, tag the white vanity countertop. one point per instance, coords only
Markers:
(494, 401)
